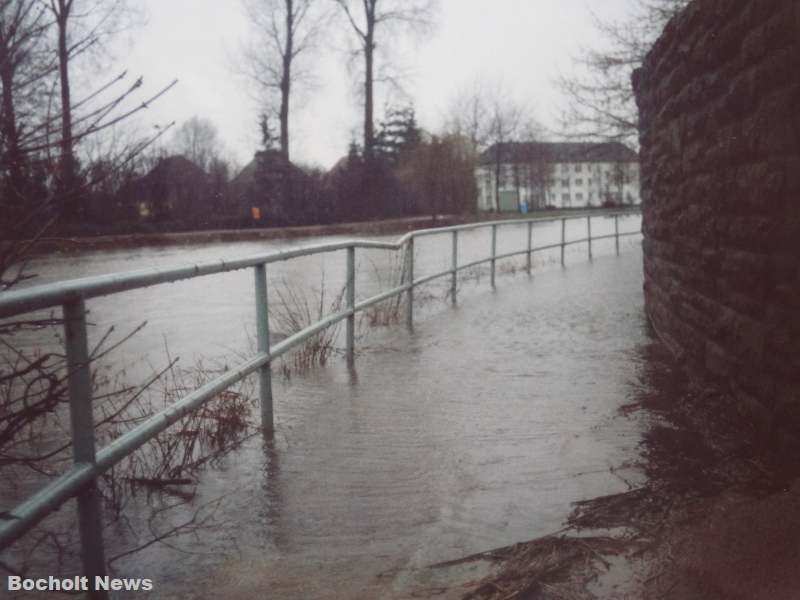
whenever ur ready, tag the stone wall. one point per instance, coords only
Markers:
(719, 99)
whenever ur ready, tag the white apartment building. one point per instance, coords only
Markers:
(518, 176)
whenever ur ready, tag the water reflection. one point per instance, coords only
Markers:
(270, 509)
(475, 431)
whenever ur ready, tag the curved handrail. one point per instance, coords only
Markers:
(71, 295)
(54, 294)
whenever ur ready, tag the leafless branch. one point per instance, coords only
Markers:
(601, 104)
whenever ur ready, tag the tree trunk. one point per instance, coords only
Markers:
(11, 136)
(498, 165)
(67, 193)
(369, 55)
(286, 79)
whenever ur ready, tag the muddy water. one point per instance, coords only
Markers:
(215, 316)
(475, 431)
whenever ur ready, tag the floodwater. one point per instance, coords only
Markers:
(476, 430)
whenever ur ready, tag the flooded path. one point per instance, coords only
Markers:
(477, 430)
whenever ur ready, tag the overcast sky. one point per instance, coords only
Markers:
(521, 45)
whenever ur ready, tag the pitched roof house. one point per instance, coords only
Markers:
(175, 189)
(259, 189)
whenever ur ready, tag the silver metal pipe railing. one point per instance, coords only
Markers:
(80, 480)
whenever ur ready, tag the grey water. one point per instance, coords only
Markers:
(476, 430)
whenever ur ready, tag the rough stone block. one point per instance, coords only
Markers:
(720, 160)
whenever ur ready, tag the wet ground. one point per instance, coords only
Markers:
(715, 517)
(477, 430)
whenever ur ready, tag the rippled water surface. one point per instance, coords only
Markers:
(476, 430)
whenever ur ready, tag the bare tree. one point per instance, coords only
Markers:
(601, 103)
(33, 381)
(198, 140)
(80, 25)
(368, 18)
(284, 30)
(443, 175)
(469, 116)
(505, 123)
(61, 10)
(533, 168)
(488, 121)
(24, 63)
(30, 132)
(25, 24)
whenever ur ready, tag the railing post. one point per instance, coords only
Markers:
(494, 251)
(563, 238)
(90, 522)
(616, 232)
(262, 332)
(351, 302)
(410, 292)
(454, 266)
(589, 231)
(529, 263)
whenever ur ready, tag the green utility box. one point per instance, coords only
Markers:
(509, 201)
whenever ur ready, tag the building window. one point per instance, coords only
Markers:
(565, 182)
(589, 181)
(579, 181)
(579, 196)
(565, 198)
(564, 168)
(591, 196)
(578, 168)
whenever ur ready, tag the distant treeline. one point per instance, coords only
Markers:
(410, 173)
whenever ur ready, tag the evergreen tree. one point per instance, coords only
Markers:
(398, 134)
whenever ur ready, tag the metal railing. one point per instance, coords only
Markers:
(89, 463)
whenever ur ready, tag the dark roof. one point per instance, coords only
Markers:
(246, 175)
(559, 152)
(273, 158)
(173, 170)
(340, 165)
(176, 166)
